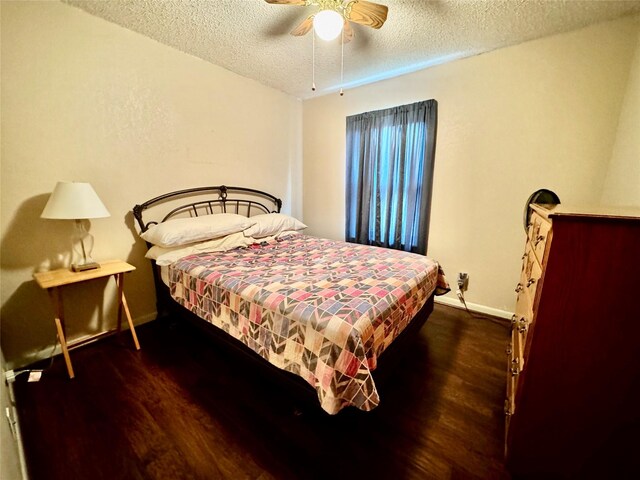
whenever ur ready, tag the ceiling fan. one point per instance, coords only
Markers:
(333, 17)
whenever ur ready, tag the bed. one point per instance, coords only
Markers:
(334, 314)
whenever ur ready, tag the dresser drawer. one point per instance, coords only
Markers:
(538, 234)
(524, 305)
(531, 279)
(519, 329)
(512, 378)
(530, 275)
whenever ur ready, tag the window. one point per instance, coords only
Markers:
(390, 156)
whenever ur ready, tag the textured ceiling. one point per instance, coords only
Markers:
(250, 37)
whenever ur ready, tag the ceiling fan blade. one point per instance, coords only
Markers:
(347, 34)
(304, 27)
(287, 2)
(367, 13)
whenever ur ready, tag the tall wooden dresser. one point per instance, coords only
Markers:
(573, 381)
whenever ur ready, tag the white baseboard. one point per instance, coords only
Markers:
(474, 307)
(22, 460)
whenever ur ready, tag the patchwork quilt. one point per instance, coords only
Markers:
(322, 309)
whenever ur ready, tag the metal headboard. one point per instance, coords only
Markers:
(219, 202)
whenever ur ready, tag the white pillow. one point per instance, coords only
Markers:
(166, 256)
(182, 231)
(272, 224)
(287, 233)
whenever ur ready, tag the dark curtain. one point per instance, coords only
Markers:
(390, 157)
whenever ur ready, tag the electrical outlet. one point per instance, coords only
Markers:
(463, 281)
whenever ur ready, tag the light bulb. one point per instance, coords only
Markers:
(328, 24)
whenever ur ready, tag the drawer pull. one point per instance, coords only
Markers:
(531, 281)
(507, 408)
(539, 238)
(524, 324)
(515, 371)
(515, 361)
(519, 288)
(509, 349)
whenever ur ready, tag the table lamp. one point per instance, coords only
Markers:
(76, 201)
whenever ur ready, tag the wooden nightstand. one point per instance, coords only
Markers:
(53, 281)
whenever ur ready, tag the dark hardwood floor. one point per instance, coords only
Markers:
(179, 408)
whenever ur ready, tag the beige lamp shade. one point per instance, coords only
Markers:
(74, 201)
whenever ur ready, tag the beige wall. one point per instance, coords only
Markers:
(540, 114)
(86, 100)
(622, 185)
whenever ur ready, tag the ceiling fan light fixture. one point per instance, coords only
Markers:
(328, 24)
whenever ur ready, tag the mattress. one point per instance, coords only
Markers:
(322, 309)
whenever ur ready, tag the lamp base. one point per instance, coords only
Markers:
(81, 267)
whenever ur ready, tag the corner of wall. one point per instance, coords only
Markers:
(620, 184)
